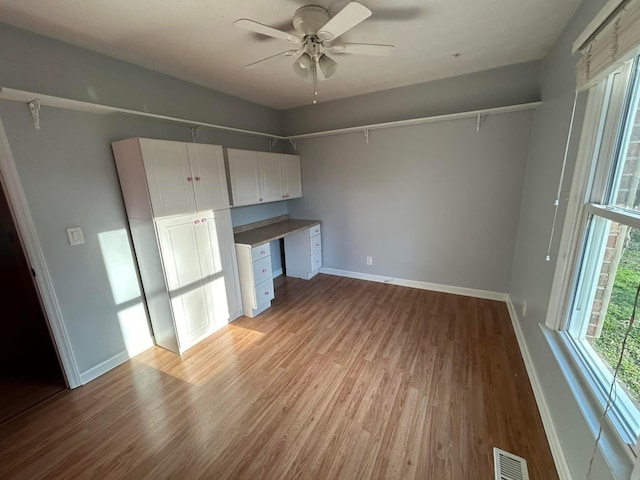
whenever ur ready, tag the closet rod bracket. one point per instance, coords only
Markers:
(478, 122)
(34, 108)
(292, 141)
(366, 135)
(272, 142)
(195, 131)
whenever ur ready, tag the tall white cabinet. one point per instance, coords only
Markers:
(177, 203)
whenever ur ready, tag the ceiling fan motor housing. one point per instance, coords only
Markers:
(309, 19)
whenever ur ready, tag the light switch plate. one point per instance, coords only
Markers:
(75, 236)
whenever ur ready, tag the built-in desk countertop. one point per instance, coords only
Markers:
(271, 231)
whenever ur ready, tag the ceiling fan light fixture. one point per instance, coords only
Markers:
(327, 66)
(302, 65)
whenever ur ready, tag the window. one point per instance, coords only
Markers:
(607, 249)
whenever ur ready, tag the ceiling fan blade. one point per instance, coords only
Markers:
(272, 58)
(363, 49)
(266, 30)
(344, 20)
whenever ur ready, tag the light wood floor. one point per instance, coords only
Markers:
(341, 378)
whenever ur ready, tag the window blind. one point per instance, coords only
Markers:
(617, 40)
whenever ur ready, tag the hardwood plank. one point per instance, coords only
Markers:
(341, 378)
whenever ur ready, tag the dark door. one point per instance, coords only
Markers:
(29, 367)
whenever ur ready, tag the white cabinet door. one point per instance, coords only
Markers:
(220, 267)
(181, 243)
(292, 176)
(271, 176)
(169, 177)
(209, 176)
(245, 177)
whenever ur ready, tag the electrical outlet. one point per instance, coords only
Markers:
(369, 260)
(524, 308)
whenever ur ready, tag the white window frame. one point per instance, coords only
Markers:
(605, 101)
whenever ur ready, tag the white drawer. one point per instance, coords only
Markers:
(260, 251)
(313, 231)
(264, 292)
(261, 270)
(316, 245)
(316, 262)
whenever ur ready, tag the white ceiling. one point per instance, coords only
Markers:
(196, 41)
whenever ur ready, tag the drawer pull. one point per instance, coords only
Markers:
(266, 293)
(261, 199)
(196, 222)
(317, 244)
(204, 220)
(197, 179)
(189, 179)
(262, 252)
(264, 270)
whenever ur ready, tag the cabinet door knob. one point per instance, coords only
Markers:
(262, 252)
(260, 199)
(196, 222)
(204, 220)
(264, 270)
(317, 244)
(197, 179)
(189, 179)
(266, 293)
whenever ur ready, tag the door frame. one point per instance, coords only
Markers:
(14, 193)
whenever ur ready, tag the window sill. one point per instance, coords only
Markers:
(617, 454)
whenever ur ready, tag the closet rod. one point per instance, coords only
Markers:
(418, 121)
(81, 106)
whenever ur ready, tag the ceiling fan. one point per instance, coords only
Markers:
(316, 35)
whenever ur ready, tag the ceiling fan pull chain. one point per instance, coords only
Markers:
(315, 82)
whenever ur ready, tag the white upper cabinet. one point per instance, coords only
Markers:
(258, 177)
(271, 180)
(245, 177)
(292, 174)
(169, 177)
(184, 178)
(209, 176)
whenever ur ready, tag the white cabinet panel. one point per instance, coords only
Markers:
(292, 174)
(264, 293)
(245, 177)
(222, 277)
(271, 180)
(209, 176)
(169, 177)
(261, 270)
(183, 244)
(260, 251)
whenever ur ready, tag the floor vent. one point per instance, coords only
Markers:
(509, 466)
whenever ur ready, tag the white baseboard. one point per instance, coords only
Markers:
(467, 292)
(549, 427)
(276, 273)
(103, 367)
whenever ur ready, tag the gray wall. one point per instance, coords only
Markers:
(435, 203)
(40, 64)
(532, 275)
(491, 88)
